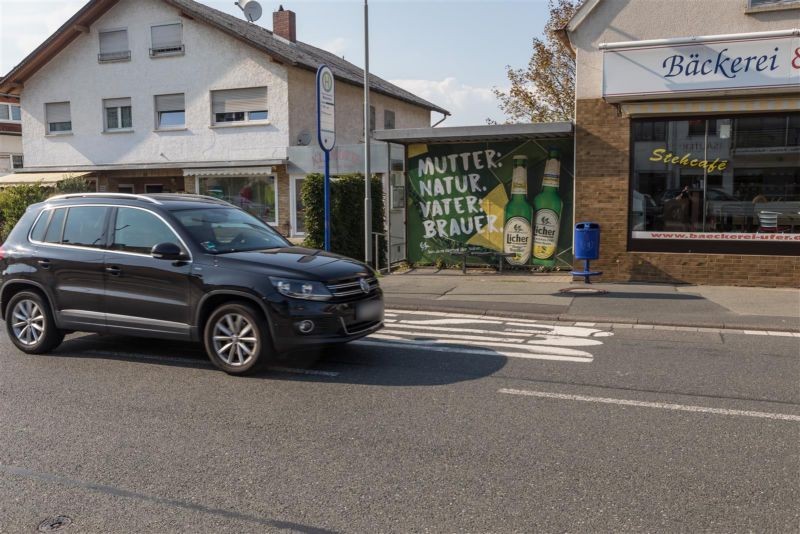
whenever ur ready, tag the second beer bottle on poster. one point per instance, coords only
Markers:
(517, 227)
(548, 206)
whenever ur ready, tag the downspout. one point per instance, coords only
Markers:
(444, 118)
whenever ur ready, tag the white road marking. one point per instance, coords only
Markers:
(643, 404)
(428, 348)
(452, 321)
(488, 346)
(414, 335)
(415, 326)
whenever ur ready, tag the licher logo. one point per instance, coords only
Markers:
(517, 227)
(546, 221)
(327, 81)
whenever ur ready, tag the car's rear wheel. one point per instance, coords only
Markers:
(30, 324)
(237, 338)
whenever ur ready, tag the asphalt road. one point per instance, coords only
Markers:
(438, 424)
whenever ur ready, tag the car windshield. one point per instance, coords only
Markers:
(224, 230)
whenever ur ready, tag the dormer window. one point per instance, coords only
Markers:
(114, 46)
(166, 40)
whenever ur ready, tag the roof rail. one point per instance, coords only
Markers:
(192, 196)
(106, 195)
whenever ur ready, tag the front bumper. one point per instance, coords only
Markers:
(334, 322)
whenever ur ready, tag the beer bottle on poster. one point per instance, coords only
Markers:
(548, 206)
(517, 227)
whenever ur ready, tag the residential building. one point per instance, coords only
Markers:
(10, 134)
(687, 138)
(172, 95)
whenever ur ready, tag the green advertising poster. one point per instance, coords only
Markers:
(513, 197)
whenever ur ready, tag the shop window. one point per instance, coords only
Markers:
(729, 180)
(254, 194)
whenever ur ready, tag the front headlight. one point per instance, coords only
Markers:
(301, 289)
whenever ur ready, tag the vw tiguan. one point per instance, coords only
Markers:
(181, 267)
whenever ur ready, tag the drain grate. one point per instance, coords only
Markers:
(51, 524)
(583, 291)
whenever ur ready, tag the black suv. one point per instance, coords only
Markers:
(183, 267)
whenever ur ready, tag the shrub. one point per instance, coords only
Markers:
(15, 200)
(74, 184)
(347, 214)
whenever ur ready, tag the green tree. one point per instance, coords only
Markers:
(544, 91)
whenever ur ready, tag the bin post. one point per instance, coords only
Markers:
(587, 248)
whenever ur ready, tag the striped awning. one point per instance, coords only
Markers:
(229, 171)
(734, 105)
(42, 178)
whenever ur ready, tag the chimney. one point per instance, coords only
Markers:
(283, 24)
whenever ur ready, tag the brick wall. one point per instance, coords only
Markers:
(284, 215)
(602, 137)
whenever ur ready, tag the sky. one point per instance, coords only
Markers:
(450, 52)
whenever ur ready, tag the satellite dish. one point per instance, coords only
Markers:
(304, 139)
(251, 9)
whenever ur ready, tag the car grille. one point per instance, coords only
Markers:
(353, 287)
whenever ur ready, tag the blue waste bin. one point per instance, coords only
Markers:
(586, 247)
(587, 241)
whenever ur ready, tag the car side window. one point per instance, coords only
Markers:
(56, 225)
(138, 231)
(37, 233)
(85, 226)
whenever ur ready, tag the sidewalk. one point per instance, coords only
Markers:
(539, 297)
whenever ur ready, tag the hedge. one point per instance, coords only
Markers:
(15, 200)
(347, 214)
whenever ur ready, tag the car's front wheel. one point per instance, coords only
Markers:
(237, 338)
(30, 324)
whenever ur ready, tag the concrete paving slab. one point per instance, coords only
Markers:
(749, 300)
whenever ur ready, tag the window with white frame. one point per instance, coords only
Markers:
(239, 105)
(114, 46)
(58, 117)
(170, 111)
(117, 114)
(10, 113)
(16, 161)
(166, 40)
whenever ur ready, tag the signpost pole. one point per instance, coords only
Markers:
(327, 200)
(326, 137)
(367, 172)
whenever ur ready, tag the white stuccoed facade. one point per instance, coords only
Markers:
(212, 61)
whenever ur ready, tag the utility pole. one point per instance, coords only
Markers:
(367, 136)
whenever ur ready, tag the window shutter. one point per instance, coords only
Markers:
(170, 103)
(237, 100)
(114, 41)
(117, 103)
(57, 112)
(167, 35)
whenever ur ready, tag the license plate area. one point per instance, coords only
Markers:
(371, 310)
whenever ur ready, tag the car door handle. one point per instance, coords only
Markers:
(114, 270)
(44, 264)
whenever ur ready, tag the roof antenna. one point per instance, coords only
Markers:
(251, 9)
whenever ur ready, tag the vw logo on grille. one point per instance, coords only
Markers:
(364, 285)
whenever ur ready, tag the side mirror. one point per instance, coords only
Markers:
(166, 251)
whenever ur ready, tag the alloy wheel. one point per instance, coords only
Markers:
(235, 339)
(28, 322)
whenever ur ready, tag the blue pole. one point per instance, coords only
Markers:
(327, 200)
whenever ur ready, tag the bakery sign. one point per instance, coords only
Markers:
(702, 64)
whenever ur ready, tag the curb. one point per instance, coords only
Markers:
(569, 318)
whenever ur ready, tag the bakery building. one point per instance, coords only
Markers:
(687, 138)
